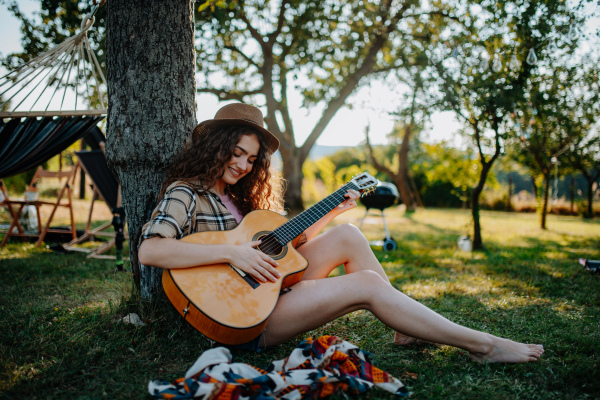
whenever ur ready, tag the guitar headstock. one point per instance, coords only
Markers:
(365, 183)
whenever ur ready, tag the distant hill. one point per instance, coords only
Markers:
(319, 151)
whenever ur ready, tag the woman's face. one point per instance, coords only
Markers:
(240, 163)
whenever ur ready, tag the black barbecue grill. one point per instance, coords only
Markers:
(385, 195)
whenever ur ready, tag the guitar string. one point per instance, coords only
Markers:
(289, 231)
(288, 234)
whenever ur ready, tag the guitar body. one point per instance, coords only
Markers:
(217, 300)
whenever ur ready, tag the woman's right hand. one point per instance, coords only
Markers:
(254, 262)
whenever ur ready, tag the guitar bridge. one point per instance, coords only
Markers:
(247, 277)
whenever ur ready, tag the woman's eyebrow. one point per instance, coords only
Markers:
(244, 150)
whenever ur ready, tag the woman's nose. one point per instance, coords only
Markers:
(242, 164)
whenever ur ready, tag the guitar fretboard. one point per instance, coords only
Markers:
(291, 229)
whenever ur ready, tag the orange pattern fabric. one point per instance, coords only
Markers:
(315, 369)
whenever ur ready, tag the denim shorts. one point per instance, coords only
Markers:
(253, 345)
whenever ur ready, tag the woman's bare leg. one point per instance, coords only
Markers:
(326, 248)
(365, 288)
(343, 244)
(311, 304)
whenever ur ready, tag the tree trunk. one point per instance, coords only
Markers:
(590, 198)
(475, 194)
(403, 184)
(292, 171)
(151, 106)
(544, 210)
(572, 194)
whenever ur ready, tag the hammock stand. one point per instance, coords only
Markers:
(31, 134)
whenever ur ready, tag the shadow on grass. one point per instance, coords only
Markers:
(431, 227)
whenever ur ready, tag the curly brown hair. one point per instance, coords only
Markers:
(204, 156)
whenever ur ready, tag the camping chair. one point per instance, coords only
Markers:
(5, 202)
(106, 187)
(69, 179)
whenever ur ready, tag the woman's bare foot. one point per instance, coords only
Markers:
(507, 351)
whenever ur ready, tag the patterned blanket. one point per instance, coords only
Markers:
(315, 369)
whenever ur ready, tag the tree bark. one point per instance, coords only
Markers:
(544, 211)
(292, 171)
(151, 106)
(590, 198)
(403, 184)
(572, 194)
(475, 194)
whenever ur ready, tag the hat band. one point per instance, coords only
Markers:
(249, 120)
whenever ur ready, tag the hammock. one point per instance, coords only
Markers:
(28, 142)
(94, 163)
(31, 133)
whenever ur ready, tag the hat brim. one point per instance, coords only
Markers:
(272, 141)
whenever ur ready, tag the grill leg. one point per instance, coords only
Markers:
(387, 232)
(362, 219)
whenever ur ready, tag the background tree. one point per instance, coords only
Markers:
(448, 174)
(258, 51)
(418, 98)
(559, 116)
(484, 71)
(411, 121)
(584, 156)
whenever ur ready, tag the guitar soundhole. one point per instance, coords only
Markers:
(270, 245)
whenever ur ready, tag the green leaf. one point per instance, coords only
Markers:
(203, 6)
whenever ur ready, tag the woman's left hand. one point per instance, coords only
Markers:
(350, 202)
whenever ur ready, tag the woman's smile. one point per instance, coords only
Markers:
(241, 161)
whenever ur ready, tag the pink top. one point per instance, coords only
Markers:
(226, 200)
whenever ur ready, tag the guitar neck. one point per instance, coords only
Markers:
(295, 226)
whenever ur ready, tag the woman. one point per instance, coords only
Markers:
(221, 175)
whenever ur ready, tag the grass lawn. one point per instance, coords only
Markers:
(61, 334)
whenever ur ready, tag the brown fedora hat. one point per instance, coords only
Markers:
(240, 114)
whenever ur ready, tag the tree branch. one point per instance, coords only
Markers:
(253, 32)
(240, 52)
(352, 81)
(229, 94)
(280, 20)
(386, 69)
(283, 107)
(441, 13)
(379, 167)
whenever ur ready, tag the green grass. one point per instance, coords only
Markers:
(61, 334)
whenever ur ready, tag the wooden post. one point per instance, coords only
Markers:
(82, 175)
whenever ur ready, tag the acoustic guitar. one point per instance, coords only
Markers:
(228, 305)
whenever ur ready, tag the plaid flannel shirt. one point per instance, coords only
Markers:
(185, 210)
